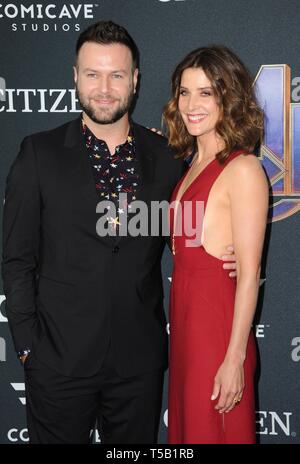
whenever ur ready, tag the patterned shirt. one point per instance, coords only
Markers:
(113, 173)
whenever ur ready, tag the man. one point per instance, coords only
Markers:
(85, 310)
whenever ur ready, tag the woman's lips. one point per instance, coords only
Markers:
(196, 118)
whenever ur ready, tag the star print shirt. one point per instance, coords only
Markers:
(113, 173)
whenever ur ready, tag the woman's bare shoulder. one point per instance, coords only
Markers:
(244, 166)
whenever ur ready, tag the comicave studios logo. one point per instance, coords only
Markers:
(39, 17)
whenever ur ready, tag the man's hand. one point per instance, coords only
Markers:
(23, 358)
(230, 256)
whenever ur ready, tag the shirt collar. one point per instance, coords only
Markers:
(91, 138)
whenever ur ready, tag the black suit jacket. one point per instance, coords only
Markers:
(68, 291)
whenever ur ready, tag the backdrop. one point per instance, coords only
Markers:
(36, 93)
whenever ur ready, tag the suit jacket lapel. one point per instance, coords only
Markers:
(82, 179)
(146, 166)
(79, 161)
(144, 154)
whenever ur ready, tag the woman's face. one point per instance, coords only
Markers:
(197, 103)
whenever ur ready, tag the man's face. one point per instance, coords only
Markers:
(105, 81)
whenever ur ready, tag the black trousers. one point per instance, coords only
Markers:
(64, 409)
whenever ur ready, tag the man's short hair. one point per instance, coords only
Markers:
(107, 33)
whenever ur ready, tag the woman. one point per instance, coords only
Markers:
(213, 115)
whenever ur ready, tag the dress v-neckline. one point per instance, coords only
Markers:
(193, 181)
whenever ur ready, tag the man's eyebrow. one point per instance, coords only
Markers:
(97, 71)
(90, 69)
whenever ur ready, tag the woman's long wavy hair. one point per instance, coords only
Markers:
(241, 120)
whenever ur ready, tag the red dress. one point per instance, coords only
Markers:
(201, 313)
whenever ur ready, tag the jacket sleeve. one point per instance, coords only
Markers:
(21, 230)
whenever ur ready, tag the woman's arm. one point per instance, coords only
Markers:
(248, 195)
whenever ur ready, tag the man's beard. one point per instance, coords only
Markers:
(111, 117)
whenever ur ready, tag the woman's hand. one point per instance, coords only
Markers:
(229, 385)
(157, 131)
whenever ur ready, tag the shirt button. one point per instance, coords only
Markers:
(115, 249)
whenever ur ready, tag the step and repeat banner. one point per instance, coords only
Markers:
(37, 93)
